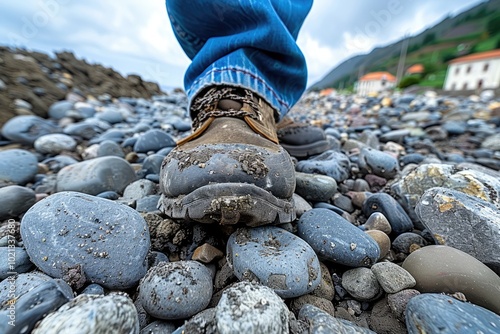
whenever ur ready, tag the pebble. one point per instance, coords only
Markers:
(66, 235)
(153, 141)
(477, 235)
(251, 308)
(207, 253)
(110, 148)
(15, 200)
(378, 163)
(382, 240)
(361, 283)
(59, 109)
(158, 327)
(110, 115)
(392, 278)
(26, 129)
(93, 289)
(18, 261)
(182, 289)
(446, 269)
(96, 176)
(321, 322)
(399, 300)
(329, 163)
(315, 187)
(275, 258)
(28, 309)
(435, 313)
(17, 166)
(322, 303)
(54, 143)
(92, 314)
(140, 189)
(335, 239)
(391, 209)
(403, 242)
(377, 221)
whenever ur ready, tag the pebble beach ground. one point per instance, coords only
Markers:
(397, 230)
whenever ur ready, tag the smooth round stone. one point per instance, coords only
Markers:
(435, 313)
(492, 142)
(377, 221)
(330, 163)
(22, 283)
(412, 158)
(109, 195)
(324, 304)
(153, 141)
(301, 205)
(93, 314)
(152, 164)
(335, 239)
(392, 278)
(455, 127)
(404, 241)
(26, 129)
(446, 269)
(343, 202)
(93, 289)
(274, 258)
(158, 327)
(57, 163)
(83, 129)
(382, 240)
(361, 283)
(110, 148)
(315, 187)
(111, 116)
(392, 210)
(322, 322)
(478, 235)
(148, 203)
(54, 143)
(96, 176)
(25, 311)
(84, 110)
(325, 288)
(139, 189)
(71, 229)
(179, 289)
(59, 109)
(18, 261)
(250, 308)
(395, 135)
(17, 166)
(377, 162)
(15, 200)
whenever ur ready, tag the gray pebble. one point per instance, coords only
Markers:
(15, 200)
(96, 176)
(403, 242)
(68, 233)
(361, 283)
(59, 109)
(392, 278)
(275, 258)
(26, 129)
(398, 301)
(158, 327)
(54, 143)
(330, 163)
(16, 260)
(110, 148)
(140, 189)
(322, 323)
(376, 162)
(17, 166)
(315, 187)
(182, 289)
(93, 289)
(335, 239)
(252, 309)
(153, 141)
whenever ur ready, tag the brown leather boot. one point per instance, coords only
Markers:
(231, 168)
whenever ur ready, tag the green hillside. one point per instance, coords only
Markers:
(475, 30)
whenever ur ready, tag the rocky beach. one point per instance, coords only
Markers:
(397, 229)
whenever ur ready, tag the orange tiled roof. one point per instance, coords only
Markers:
(378, 76)
(414, 69)
(477, 56)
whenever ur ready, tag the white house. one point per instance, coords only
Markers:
(475, 71)
(375, 82)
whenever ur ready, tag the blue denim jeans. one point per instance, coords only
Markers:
(244, 43)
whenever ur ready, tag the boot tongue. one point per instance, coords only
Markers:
(227, 104)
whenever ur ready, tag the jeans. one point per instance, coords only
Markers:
(243, 43)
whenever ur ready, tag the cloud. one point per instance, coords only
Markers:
(136, 37)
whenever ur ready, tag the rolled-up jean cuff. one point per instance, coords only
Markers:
(238, 77)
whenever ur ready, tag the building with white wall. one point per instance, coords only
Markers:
(476, 71)
(375, 82)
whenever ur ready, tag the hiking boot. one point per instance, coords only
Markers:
(231, 169)
(302, 140)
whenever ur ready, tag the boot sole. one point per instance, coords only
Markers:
(302, 151)
(230, 203)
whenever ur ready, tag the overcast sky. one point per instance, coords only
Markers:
(135, 36)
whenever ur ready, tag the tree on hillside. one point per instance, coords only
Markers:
(429, 38)
(493, 25)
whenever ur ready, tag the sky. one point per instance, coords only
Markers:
(136, 37)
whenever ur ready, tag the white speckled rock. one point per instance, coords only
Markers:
(54, 143)
(251, 309)
(114, 313)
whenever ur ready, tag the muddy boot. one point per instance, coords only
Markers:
(302, 140)
(231, 169)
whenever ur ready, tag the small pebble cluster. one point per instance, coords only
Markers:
(397, 230)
